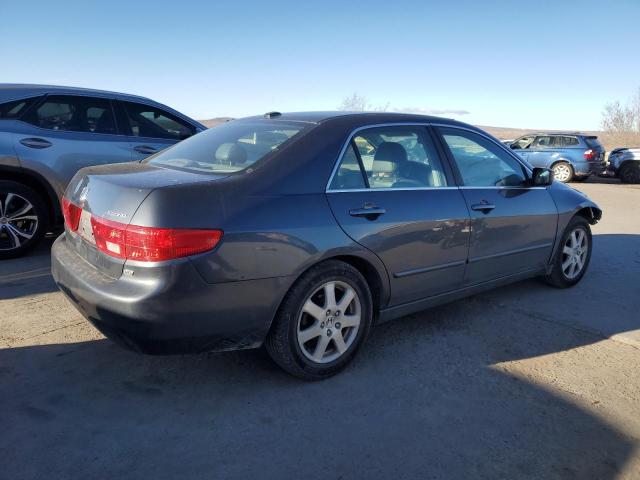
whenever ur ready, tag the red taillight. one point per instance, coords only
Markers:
(71, 213)
(590, 154)
(150, 244)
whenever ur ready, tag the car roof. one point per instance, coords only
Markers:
(355, 117)
(557, 133)
(21, 90)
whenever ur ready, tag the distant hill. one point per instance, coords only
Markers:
(504, 133)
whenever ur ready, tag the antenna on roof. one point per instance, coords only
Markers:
(272, 114)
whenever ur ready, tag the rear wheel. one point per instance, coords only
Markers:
(23, 219)
(630, 172)
(573, 255)
(322, 322)
(562, 172)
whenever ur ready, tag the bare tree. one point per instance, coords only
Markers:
(359, 103)
(621, 122)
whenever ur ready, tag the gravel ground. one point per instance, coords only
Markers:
(522, 382)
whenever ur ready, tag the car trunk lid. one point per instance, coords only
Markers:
(114, 193)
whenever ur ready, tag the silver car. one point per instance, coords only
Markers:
(48, 133)
(624, 163)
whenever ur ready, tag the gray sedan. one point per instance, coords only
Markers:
(301, 231)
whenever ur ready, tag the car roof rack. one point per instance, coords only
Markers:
(272, 114)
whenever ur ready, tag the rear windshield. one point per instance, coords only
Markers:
(228, 148)
(594, 143)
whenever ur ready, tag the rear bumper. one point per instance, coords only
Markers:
(172, 311)
(589, 168)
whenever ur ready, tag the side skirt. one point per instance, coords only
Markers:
(391, 313)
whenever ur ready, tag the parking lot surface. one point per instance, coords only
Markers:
(522, 382)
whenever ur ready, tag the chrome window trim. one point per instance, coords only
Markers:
(423, 124)
(348, 142)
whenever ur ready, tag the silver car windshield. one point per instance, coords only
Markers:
(228, 148)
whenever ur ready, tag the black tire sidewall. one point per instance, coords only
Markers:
(8, 186)
(628, 172)
(292, 307)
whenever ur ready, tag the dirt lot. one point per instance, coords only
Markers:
(523, 382)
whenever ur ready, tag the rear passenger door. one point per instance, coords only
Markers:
(513, 224)
(151, 129)
(392, 193)
(64, 133)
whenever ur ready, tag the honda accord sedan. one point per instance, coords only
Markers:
(302, 231)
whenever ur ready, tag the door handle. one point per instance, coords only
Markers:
(368, 211)
(35, 143)
(484, 207)
(145, 149)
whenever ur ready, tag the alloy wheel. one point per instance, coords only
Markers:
(574, 253)
(18, 221)
(562, 172)
(329, 321)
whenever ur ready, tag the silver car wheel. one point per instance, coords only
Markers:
(18, 221)
(562, 172)
(329, 321)
(574, 253)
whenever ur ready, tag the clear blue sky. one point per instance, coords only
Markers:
(530, 64)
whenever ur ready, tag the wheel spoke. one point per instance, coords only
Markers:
(14, 237)
(580, 238)
(574, 241)
(24, 217)
(330, 295)
(579, 262)
(346, 300)
(20, 212)
(16, 230)
(339, 342)
(307, 334)
(7, 201)
(350, 320)
(316, 311)
(566, 263)
(567, 250)
(321, 348)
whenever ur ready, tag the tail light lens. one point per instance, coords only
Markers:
(590, 154)
(71, 213)
(150, 244)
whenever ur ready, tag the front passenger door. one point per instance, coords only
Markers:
(513, 225)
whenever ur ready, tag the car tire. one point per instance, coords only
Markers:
(313, 336)
(630, 172)
(24, 219)
(573, 255)
(562, 172)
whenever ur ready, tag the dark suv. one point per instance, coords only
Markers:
(49, 133)
(571, 156)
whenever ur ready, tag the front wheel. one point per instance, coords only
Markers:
(630, 172)
(23, 219)
(574, 253)
(322, 322)
(562, 172)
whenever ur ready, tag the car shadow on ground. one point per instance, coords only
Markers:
(28, 275)
(427, 398)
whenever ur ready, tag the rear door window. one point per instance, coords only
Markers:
(566, 141)
(146, 121)
(522, 143)
(16, 108)
(73, 113)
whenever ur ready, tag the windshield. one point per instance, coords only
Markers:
(228, 148)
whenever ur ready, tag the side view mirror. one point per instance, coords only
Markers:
(541, 177)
